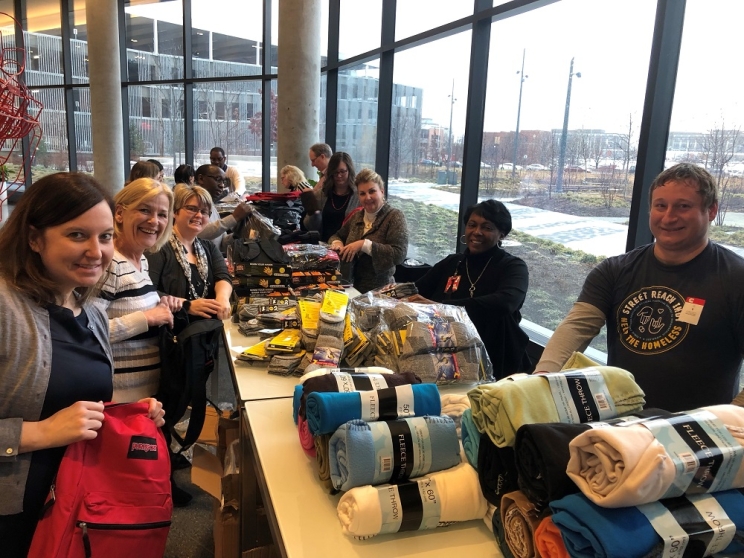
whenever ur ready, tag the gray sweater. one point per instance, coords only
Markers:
(389, 237)
(25, 366)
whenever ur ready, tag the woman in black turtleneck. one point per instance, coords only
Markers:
(489, 283)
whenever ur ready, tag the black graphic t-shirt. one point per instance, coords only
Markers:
(652, 310)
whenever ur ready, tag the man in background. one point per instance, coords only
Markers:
(212, 179)
(320, 154)
(236, 181)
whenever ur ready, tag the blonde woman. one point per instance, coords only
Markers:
(373, 241)
(291, 177)
(143, 216)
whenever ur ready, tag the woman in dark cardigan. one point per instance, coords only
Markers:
(372, 241)
(489, 283)
(187, 267)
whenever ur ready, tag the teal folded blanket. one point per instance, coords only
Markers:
(391, 451)
(470, 437)
(326, 411)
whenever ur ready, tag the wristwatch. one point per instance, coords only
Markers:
(186, 305)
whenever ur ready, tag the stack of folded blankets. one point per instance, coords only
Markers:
(499, 417)
(377, 434)
(674, 478)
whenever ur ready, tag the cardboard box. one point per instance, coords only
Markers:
(275, 282)
(208, 433)
(263, 270)
(226, 532)
(269, 551)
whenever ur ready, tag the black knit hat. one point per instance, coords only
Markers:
(494, 211)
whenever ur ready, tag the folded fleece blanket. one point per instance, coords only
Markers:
(497, 528)
(548, 540)
(338, 380)
(628, 466)
(454, 405)
(342, 380)
(326, 411)
(497, 472)
(306, 439)
(541, 456)
(500, 408)
(520, 519)
(591, 531)
(367, 510)
(321, 460)
(470, 438)
(391, 451)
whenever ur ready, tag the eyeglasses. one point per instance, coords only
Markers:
(217, 179)
(341, 172)
(194, 210)
(313, 159)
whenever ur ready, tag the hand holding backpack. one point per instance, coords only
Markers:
(111, 497)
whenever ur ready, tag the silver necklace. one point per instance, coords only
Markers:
(471, 290)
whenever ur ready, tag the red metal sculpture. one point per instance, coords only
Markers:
(19, 113)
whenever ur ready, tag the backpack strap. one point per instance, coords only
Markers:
(199, 386)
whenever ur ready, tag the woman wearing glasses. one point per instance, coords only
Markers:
(189, 268)
(338, 197)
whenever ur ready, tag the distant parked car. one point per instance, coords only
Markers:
(607, 168)
(575, 168)
(536, 166)
(508, 166)
(428, 163)
(485, 165)
(457, 164)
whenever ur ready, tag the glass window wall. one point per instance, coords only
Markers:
(563, 111)
(427, 127)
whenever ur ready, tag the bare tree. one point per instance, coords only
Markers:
(629, 147)
(719, 147)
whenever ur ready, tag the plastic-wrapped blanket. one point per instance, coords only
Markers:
(542, 455)
(326, 411)
(362, 515)
(591, 531)
(628, 466)
(500, 408)
(391, 451)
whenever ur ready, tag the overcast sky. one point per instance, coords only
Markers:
(610, 41)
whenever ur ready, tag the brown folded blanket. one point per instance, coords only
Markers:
(321, 459)
(520, 519)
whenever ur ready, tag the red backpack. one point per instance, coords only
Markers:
(112, 495)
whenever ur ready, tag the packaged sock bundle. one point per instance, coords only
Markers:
(334, 306)
(285, 364)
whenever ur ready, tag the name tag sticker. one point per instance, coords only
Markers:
(691, 311)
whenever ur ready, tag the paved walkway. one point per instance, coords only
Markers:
(598, 236)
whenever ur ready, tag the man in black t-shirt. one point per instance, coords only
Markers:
(674, 309)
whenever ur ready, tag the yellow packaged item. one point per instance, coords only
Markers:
(334, 306)
(309, 313)
(288, 341)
